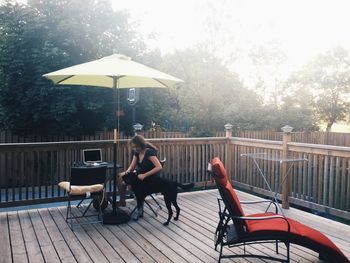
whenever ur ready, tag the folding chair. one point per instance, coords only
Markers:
(157, 205)
(85, 183)
(237, 229)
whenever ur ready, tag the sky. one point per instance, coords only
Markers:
(301, 27)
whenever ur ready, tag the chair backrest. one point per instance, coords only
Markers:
(88, 175)
(227, 192)
(162, 162)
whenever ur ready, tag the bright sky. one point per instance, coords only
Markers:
(303, 27)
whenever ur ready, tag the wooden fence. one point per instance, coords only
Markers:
(29, 172)
(9, 137)
(316, 137)
(330, 138)
(321, 183)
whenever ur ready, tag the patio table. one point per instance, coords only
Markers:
(267, 157)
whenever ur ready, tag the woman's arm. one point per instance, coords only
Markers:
(131, 167)
(156, 169)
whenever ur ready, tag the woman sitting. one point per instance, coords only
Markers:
(147, 167)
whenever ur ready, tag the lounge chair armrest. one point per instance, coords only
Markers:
(256, 202)
(261, 201)
(259, 217)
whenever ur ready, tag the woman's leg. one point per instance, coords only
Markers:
(121, 190)
(138, 188)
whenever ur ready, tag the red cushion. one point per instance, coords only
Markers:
(219, 171)
(300, 233)
(220, 176)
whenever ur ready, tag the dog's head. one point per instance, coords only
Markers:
(130, 178)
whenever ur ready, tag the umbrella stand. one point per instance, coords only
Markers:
(116, 216)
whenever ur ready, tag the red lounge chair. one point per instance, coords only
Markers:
(237, 229)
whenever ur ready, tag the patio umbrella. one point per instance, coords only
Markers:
(116, 71)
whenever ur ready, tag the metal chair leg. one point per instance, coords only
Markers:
(150, 207)
(158, 205)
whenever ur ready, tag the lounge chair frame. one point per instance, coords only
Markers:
(236, 229)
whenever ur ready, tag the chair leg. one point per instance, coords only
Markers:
(133, 211)
(68, 208)
(288, 252)
(87, 208)
(158, 205)
(276, 246)
(69, 214)
(150, 207)
(99, 207)
(82, 200)
(220, 256)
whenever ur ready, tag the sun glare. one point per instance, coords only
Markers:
(302, 28)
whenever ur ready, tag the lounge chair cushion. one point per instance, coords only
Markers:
(80, 189)
(300, 234)
(230, 194)
(219, 171)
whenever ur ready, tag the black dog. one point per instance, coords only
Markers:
(156, 184)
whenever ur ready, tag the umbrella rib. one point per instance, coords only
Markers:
(58, 82)
(161, 82)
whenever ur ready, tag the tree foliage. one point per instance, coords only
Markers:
(326, 80)
(211, 95)
(49, 35)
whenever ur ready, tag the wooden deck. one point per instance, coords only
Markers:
(42, 235)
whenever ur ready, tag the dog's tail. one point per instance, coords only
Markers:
(187, 186)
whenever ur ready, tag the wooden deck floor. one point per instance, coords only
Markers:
(42, 235)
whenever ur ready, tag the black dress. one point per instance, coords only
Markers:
(143, 188)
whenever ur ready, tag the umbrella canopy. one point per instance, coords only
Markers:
(102, 73)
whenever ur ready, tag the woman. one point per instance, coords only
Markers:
(147, 167)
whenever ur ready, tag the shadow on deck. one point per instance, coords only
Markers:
(42, 235)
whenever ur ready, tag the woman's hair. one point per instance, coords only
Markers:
(140, 141)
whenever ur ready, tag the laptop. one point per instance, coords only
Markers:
(92, 157)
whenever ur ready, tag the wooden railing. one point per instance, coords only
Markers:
(29, 172)
(321, 183)
(9, 137)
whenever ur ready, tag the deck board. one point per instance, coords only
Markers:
(30, 239)
(19, 253)
(40, 235)
(5, 244)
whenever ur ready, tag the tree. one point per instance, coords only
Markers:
(48, 35)
(327, 77)
(211, 95)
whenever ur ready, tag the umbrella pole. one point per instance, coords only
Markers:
(114, 203)
(116, 216)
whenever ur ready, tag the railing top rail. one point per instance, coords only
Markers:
(320, 146)
(4, 146)
(255, 140)
(329, 150)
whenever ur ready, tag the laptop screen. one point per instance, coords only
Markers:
(92, 155)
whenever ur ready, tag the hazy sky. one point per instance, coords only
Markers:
(302, 27)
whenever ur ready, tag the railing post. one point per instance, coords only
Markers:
(137, 128)
(287, 183)
(228, 152)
